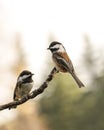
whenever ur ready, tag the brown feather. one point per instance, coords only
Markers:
(64, 55)
(61, 67)
(66, 68)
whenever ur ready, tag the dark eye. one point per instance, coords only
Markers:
(54, 49)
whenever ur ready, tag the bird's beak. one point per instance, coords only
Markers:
(32, 74)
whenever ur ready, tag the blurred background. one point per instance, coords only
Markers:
(26, 29)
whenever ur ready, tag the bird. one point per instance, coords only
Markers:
(24, 85)
(62, 61)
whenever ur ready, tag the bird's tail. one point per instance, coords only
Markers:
(80, 84)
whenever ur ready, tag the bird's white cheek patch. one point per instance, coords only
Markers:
(61, 49)
(22, 77)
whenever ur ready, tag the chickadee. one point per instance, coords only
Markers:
(24, 85)
(62, 60)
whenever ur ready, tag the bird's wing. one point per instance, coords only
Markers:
(64, 62)
(15, 90)
(18, 85)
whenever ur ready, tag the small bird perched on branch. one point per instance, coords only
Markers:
(24, 85)
(62, 60)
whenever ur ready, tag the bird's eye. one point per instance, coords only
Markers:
(54, 49)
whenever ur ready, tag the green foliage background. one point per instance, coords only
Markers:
(67, 107)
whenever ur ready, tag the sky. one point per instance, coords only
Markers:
(67, 20)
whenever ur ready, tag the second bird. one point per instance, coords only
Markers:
(24, 85)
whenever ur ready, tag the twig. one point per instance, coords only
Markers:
(33, 94)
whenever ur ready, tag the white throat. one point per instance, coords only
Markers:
(61, 49)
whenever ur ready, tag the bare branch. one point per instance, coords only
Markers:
(33, 94)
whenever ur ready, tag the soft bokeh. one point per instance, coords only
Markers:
(26, 29)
